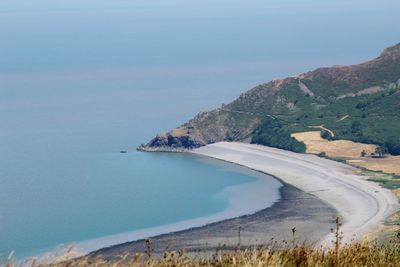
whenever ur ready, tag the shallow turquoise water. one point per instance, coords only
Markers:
(81, 80)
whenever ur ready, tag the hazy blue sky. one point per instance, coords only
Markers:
(36, 35)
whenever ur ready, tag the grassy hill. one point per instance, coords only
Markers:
(358, 102)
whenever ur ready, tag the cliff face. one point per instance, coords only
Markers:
(205, 128)
(283, 100)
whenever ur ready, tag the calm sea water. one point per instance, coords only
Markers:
(82, 80)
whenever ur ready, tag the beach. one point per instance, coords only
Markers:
(362, 205)
(242, 199)
(315, 192)
(272, 226)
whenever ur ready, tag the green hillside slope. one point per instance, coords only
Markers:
(358, 102)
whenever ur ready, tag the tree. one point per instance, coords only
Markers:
(326, 135)
(393, 146)
(381, 151)
(356, 127)
(363, 153)
(271, 133)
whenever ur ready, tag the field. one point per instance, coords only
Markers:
(390, 164)
(349, 151)
(385, 171)
(336, 149)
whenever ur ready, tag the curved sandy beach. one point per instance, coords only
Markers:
(312, 218)
(263, 194)
(362, 205)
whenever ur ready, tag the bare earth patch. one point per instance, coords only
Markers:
(349, 150)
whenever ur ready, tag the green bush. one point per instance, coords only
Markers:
(270, 133)
(326, 135)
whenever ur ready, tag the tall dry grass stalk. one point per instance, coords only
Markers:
(349, 255)
(353, 254)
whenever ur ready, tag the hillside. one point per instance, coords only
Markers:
(358, 102)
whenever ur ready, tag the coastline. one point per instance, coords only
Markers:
(315, 191)
(362, 205)
(312, 218)
(264, 192)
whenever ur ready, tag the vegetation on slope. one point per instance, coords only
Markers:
(372, 118)
(358, 102)
(270, 133)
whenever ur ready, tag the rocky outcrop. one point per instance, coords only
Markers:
(305, 89)
(172, 142)
(205, 128)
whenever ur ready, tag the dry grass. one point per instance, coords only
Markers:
(349, 255)
(288, 255)
(390, 164)
(335, 149)
(349, 150)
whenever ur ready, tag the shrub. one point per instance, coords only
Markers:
(271, 133)
(326, 135)
(393, 147)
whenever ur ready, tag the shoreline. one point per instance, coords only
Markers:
(312, 218)
(314, 192)
(265, 192)
(362, 205)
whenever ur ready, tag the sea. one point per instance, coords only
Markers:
(81, 81)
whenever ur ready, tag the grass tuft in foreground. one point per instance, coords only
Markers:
(350, 255)
(356, 254)
(291, 254)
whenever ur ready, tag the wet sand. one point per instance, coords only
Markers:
(312, 218)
